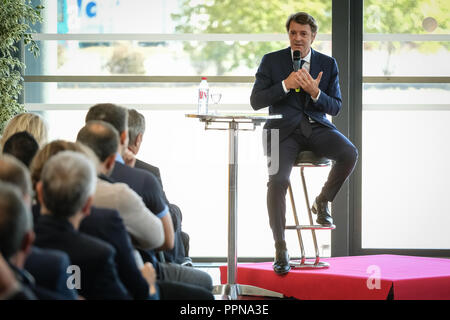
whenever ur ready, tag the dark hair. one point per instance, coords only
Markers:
(15, 220)
(302, 18)
(136, 125)
(14, 172)
(101, 137)
(116, 115)
(23, 146)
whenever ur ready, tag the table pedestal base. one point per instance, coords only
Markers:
(232, 291)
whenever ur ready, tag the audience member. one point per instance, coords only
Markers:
(13, 171)
(48, 267)
(142, 182)
(65, 192)
(30, 122)
(144, 227)
(10, 288)
(16, 239)
(23, 146)
(147, 186)
(136, 130)
(105, 224)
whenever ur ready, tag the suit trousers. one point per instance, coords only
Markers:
(323, 141)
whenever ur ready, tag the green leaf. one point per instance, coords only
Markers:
(16, 18)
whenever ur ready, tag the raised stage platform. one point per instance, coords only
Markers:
(374, 277)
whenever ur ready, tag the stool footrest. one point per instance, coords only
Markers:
(309, 264)
(311, 227)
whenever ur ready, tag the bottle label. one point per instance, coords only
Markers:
(203, 100)
(202, 94)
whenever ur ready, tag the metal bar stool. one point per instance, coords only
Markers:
(307, 159)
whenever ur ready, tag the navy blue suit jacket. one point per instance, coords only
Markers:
(106, 224)
(49, 269)
(268, 91)
(145, 184)
(94, 257)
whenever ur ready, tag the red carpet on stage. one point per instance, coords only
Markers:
(355, 278)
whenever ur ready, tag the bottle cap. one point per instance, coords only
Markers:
(204, 78)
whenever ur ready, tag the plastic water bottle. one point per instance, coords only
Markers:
(203, 96)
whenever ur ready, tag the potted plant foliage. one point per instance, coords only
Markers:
(16, 19)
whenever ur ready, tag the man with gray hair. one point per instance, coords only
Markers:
(65, 191)
(48, 267)
(16, 239)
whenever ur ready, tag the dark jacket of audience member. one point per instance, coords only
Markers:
(16, 239)
(49, 269)
(94, 257)
(106, 224)
(65, 192)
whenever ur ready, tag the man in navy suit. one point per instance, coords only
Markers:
(303, 98)
(48, 268)
(66, 189)
(16, 239)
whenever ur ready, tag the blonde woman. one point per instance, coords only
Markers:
(30, 122)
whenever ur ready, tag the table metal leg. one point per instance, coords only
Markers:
(232, 202)
(231, 289)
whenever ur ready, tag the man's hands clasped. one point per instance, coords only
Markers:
(302, 79)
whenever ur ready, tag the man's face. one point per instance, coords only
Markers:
(301, 37)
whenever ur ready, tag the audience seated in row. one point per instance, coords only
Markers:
(113, 235)
(147, 186)
(65, 193)
(103, 223)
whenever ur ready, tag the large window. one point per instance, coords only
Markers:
(149, 55)
(406, 109)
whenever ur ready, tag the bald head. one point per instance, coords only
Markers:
(101, 137)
